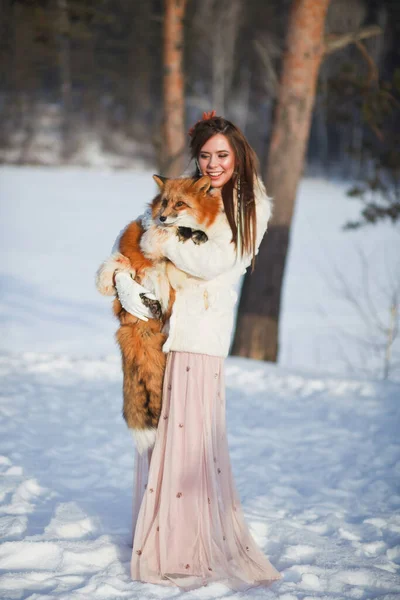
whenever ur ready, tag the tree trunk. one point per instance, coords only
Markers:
(65, 77)
(140, 105)
(223, 37)
(174, 139)
(258, 315)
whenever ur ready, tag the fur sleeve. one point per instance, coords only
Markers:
(105, 283)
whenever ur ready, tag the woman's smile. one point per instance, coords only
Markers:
(215, 176)
(217, 160)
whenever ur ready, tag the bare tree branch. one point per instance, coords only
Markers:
(380, 326)
(268, 50)
(337, 42)
(377, 339)
(373, 69)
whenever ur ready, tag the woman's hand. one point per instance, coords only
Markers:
(129, 294)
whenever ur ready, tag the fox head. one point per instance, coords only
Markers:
(185, 202)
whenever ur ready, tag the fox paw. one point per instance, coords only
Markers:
(186, 233)
(153, 305)
(199, 237)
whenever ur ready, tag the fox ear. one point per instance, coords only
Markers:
(202, 184)
(160, 181)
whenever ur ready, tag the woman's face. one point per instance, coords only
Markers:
(217, 160)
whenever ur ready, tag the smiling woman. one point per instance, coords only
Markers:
(189, 527)
(221, 151)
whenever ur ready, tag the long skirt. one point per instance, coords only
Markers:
(188, 524)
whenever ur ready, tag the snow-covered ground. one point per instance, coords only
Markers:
(56, 228)
(315, 451)
(316, 462)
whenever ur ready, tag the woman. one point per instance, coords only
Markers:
(189, 528)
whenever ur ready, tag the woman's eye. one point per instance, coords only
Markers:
(222, 155)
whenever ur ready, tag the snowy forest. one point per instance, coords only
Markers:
(82, 80)
(95, 97)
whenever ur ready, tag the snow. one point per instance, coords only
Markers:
(316, 462)
(56, 228)
(315, 450)
(320, 329)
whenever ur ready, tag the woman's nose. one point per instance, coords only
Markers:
(213, 161)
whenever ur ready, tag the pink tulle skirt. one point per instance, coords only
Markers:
(189, 528)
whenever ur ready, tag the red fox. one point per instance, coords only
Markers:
(181, 208)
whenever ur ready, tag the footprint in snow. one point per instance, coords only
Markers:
(70, 522)
(300, 553)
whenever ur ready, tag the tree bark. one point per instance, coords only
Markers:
(259, 308)
(65, 78)
(174, 139)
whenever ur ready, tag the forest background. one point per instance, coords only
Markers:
(93, 70)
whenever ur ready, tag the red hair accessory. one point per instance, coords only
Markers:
(206, 117)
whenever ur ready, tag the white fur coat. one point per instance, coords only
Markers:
(203, 312)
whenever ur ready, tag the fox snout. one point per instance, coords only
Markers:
(167, 217)
(166, 220)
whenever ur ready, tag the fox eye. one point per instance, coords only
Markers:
(179, 204)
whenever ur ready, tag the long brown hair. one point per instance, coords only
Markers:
(244, 230)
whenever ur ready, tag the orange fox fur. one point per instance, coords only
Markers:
(182, 203)
(143, 361)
